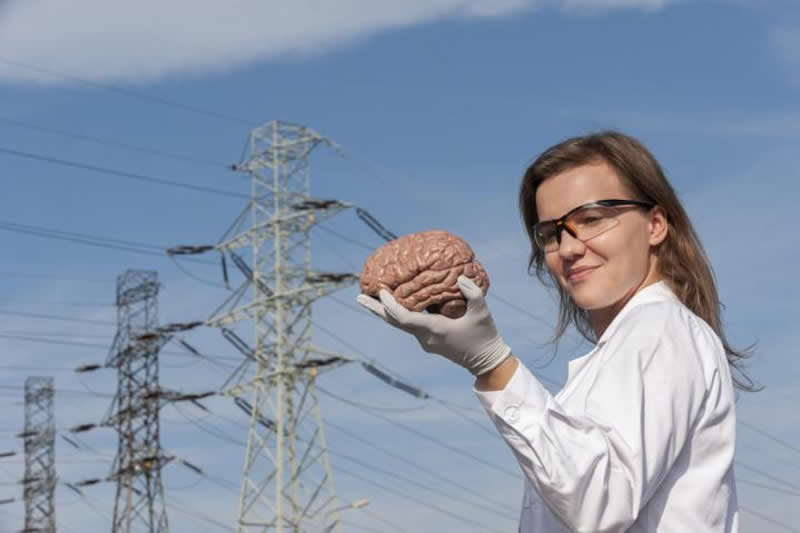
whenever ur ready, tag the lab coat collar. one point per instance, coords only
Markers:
(659, 291)
(656, 292)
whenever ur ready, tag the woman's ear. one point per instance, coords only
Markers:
(658, 226)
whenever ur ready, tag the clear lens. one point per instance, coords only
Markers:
(545, 234)
(585, 223)
(592, 221)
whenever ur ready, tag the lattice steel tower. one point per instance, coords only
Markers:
(40, 471)
(139, 503)
(287, 483)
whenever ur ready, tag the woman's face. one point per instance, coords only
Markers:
(601, 274)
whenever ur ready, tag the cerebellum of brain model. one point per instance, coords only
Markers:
(421, 269)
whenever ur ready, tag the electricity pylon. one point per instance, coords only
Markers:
(139, 503)
(40, 472)
(287, 482)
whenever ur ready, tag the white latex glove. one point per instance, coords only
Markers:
(471, 340)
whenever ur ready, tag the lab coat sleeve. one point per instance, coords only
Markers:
(595, 470)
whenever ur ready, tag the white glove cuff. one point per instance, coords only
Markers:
(490, 357)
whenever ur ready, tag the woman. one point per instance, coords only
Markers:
(641, 437)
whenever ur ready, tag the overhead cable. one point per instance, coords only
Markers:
(105, 347)
(108, 142)
(128, 92)
(93, 240)
(57, 317)
(771, 520)
(430, 438)
(424, 503)
(421, 485)
(120, 173)
(248, 410)
(404, 459)
(771, 437)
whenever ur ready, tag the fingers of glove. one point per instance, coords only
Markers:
(409, 320)
(394, 310)
(468, 288)
(372, 305)
(471, 292)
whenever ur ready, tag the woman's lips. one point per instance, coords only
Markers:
(577, 274)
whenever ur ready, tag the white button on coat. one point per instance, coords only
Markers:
(640, 438)
(512, 413)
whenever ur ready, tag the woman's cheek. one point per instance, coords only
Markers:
(552, 262)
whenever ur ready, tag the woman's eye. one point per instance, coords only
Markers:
(589, 218)
(547, 235)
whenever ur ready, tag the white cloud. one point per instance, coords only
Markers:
(123, 41)
(613, 4)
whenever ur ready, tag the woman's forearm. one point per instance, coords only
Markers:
(498, 377)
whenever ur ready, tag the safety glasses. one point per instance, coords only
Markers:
(583, 222)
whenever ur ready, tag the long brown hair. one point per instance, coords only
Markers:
(681, 257)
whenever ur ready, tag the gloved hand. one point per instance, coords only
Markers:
(471, 340)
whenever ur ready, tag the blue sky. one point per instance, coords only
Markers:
(438, 107)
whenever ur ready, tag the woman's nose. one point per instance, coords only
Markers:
(570, 246)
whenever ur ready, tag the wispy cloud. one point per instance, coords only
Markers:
(601, 5)
(147, 40)
(730, 124)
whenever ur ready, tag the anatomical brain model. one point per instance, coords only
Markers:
(421, 269)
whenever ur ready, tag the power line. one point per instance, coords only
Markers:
(94, 508)
(366, 313)
(418, 484)
(47, 233)
(771, 437)
(53, 303)
(52, 278)
(427, 437)
(128, 92)
(221, 435)
(198, 516)
(367, 358)
(68, 334)
(767, 487)
(490, 294)
(458, 413)
(64, 391)
(416, 466)
(58, 317)
(346, 238)
(120, 173)
(740, 443)
(225, 436)
(354, 404)
(380, 408)
(115, 144)
(240, 443)
(767, 475)
(94, 240)
(360, 526)
(33, 368)
(377, 517)
(766, 518)
(77, 235)
(105, 347)
(414, 499)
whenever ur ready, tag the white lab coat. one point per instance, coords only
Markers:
(640, 438)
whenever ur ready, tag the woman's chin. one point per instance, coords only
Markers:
(588, 299)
